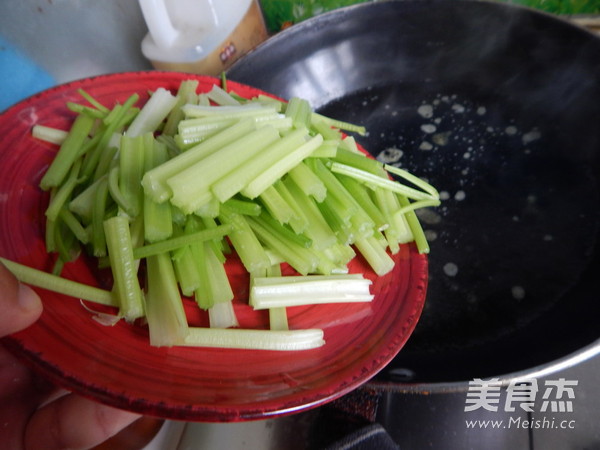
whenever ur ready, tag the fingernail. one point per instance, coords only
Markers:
(28, 298)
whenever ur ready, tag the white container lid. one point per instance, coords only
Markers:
(184, 31)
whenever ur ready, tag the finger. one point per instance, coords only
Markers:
(76, 423)
(20, 306)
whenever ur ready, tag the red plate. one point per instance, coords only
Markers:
(116, 365)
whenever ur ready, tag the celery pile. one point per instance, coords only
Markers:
(164, 192)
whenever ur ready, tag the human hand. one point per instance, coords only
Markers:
(34, 414)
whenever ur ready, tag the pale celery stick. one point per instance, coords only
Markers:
(221, 97)
(238, 179)
(375, 254)
(222, 315)
(309, 182)
(156, 109)
(123, 267)
(49, 134)
(155, 180)
(191, 185)
(281, 167)
(167, 322)
(272, 292)
(255, 339)
(376, 180)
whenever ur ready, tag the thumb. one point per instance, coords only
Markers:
(20, 306)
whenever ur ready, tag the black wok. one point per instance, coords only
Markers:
(499, 108)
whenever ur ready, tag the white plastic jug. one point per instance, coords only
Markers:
(200, 36)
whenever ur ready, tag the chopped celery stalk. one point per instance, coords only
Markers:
(191, 186)
(329, 134)
(186, 271)
(375, 254)
(194, 131)
(334, 187)
(378, 181)
(209, 209)
(41, 279)
(49, 134)
(239, 178)
(247, 208)
(222, 315)
(66, 246)
(339, 124)
(64, 192)
(107, 159)
(123, 267)
(414, 180)
(309, 182)
(221, 97)
(298, 221)
(244, 241)
(278, 319)
(176, 182)
(86, 110)
(67, 153)
(362, 197)
(185, 94)
(281, 167)
(299, 111)
(98, 239)
(415, 226)
(284, 231)
(319, 230)
(155, 181)
(115, 192)
(237, 111)
(255, 339)
(214, 284)
(174, 243)
(416, 205)
(275, 292)
(74, 225)
(349, 143)
(167, 322)
(156, 109)
(93, 155)
(158, 220)
(328, 149)
(358, 160)
(92, 101)
(300, 258)
(131, 170)
(397, 231)
(276, 205)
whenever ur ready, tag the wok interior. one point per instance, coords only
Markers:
(498, 108)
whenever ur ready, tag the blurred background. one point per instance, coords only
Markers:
(45, 42)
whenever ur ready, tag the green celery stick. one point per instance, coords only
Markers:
(190, 185)
(120, 252)
(167, 322)
(41, 279)
(155, 181)
(67, 153)
(131, 170)
(244, 241)
(238, 179)
(174, 243)
(281, 167)
(158, 220)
